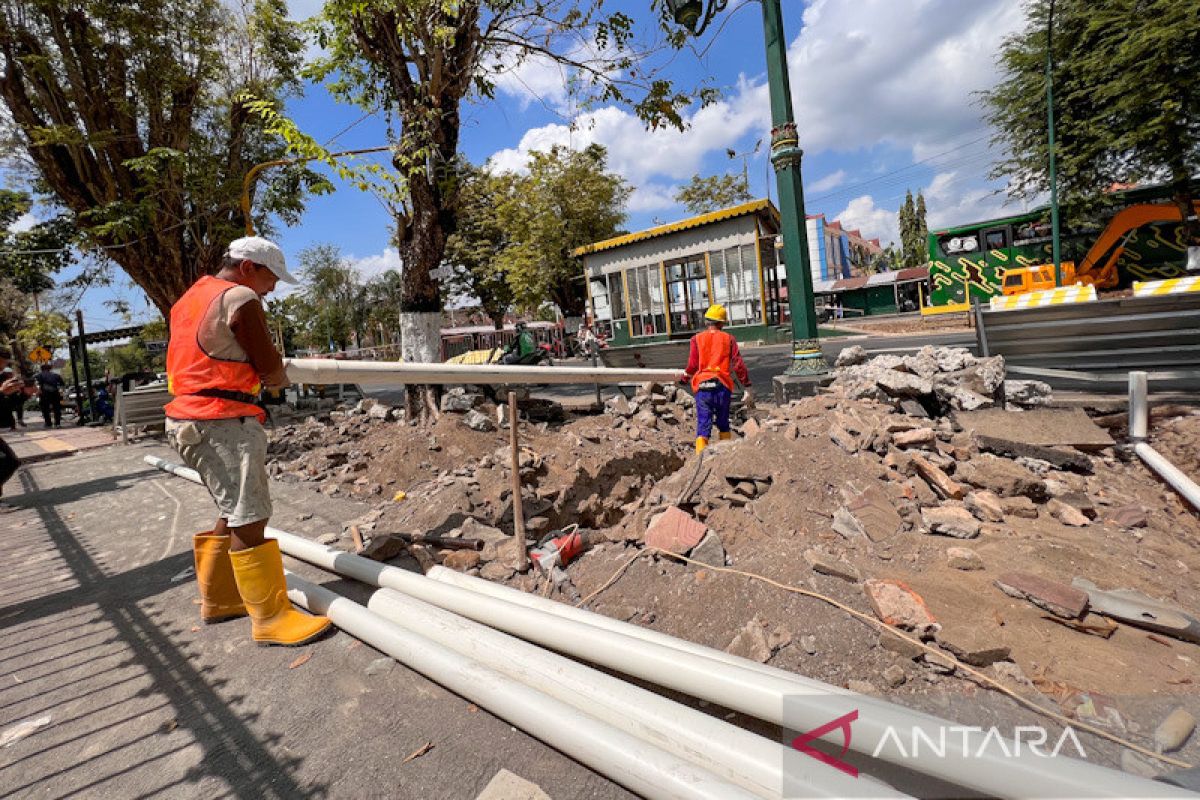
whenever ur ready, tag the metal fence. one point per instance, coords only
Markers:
(1095, 345)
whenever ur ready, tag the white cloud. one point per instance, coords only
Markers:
(375, 265)
(25, 222)
(652, 197)
(830, 181)
(874, 222)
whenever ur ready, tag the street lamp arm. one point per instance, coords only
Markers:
(693, 14)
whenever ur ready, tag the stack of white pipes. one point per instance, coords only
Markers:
(1139, 429)
(402, 620)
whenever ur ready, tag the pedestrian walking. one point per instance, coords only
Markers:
(219, 357)
(50, 387)
(9, 386)
(713, 361)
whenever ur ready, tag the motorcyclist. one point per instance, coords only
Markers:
(522, 345)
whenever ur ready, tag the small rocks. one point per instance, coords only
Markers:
(1173, 731)
(954, 521)
(894, 676)
(328, 538)
(835, 568)
(985, 506)
(1027, 393)
(1057, 598)
(918, 437)
(850, 356)
(381, 666)
(963, 558)
(938, 480)
(1128, 517)
(972, 646)
(752, 642)
(861, 687)
(496, 571)
(809, 644)
(458, 399)
(478, 421)
(1067, 514)
(896, 604)
(1001, 476)
(1021, 507)
(709, 551)
(461, 560)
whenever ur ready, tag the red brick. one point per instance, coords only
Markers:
(675, 531)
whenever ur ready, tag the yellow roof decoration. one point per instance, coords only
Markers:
(753, 207)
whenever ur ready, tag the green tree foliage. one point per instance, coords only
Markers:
(474, 250)
(335, 296)
(48, 329)
(1126, 95)
(127, 113)
(704, 194)
(569, 199)
(21, 262)
(421, 59)
(914, 232)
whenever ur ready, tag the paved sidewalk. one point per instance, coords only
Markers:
(100, 639)
(35, 443)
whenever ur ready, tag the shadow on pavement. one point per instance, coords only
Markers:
(123, 694)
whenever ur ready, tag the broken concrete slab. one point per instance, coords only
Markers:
(1071, 460)
(1048, 427)
(874, 514)
(985, 505)
(827, 565)
(843, 438)
(751, 642)
(918, 437)
(478, 421)
(1001, 476)
(1021, 507)
(1059, 599)
(896, 604)
(953, 521)
(963, 558)
(1027, 393)
(845, 523)
(709, 551)
(1129, 516)
(506, 785)
(461, 560)
(675, 531)
(972, 646)
(1067, 514)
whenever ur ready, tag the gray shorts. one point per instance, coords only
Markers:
(231, 457)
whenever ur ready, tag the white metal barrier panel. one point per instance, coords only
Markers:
(1047, 297)
(1170, 286)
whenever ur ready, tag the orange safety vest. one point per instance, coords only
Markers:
(716, 357)
(206, 387)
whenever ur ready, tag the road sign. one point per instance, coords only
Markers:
(40, 355)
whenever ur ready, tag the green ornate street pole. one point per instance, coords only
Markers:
(786, 156)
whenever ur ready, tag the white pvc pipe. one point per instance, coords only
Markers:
(583, 615)
(1139, 428)
(1169, 473)
(732, 753)
(390, 373)
(1139, 412)
(634, 764)
(972, 758)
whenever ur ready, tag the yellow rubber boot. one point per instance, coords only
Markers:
(701, 443)
(259, 573)
(219, 598)
(725, 436)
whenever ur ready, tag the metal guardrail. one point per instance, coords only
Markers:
(1107, 338)
(141, 407)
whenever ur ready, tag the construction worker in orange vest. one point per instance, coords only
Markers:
(218, 359)
(713, 361)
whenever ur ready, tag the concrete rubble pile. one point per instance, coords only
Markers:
(933, 381)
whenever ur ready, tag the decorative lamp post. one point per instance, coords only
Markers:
(786, 155)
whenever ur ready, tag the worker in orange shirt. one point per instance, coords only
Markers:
(219, 357)
(713, 361)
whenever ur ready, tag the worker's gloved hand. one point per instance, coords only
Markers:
(748, 398)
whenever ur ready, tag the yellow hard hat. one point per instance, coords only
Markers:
(716, 313)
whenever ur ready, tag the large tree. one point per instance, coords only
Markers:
(704, 194)
(568, 200)
(421, 59)
(473, 251)
(1126, 94)
(126, 114)
(914, 232)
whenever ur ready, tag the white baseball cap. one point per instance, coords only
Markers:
(261, 251)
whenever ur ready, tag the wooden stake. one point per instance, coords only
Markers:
(518, 510)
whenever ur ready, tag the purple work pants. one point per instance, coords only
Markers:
(712, 405)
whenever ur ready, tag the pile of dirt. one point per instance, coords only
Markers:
(966, 527)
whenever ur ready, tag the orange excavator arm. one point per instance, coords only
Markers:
(1099, 266)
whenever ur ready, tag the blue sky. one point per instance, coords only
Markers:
(884, 96)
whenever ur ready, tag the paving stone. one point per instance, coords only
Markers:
(1059, 599)
(709, 551)
(826, 565)
(506, 785)
(846, 524)
(843, 438)
(963, 558)
(1131, 516)
(896, 604)
(675, 531)
(1021, 507)
(938, 480)
(1001, 476)
(972, 646)
(875, 514)
(954, 521)
(1067, 514)
(985, 505)
(919, 437)
(1049, 427)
